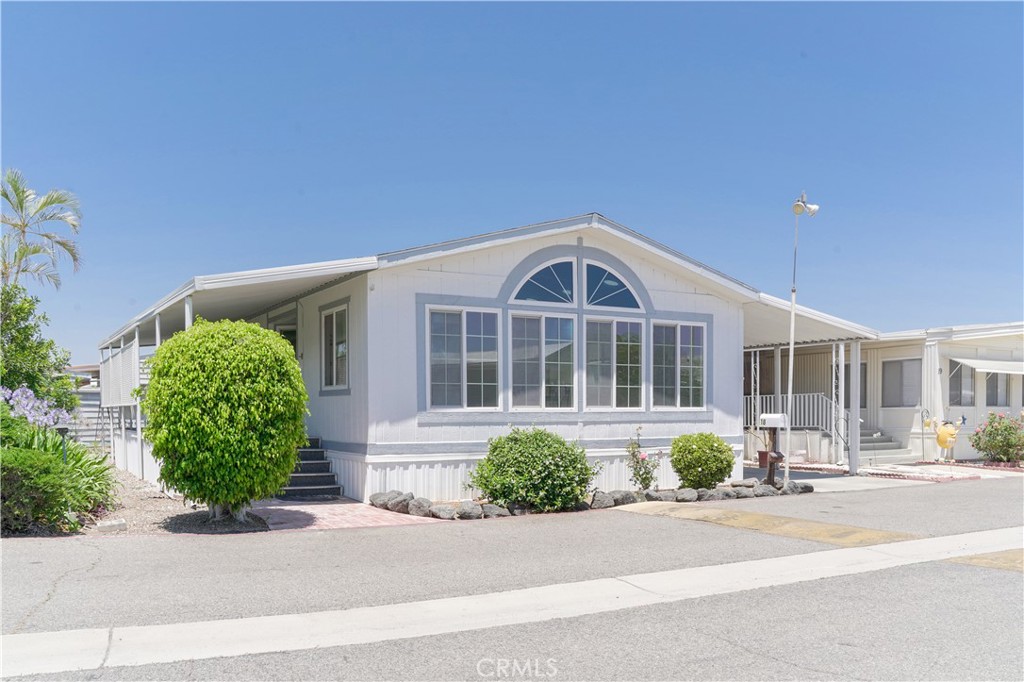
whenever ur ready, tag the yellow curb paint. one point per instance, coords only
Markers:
(1010, 560)
(816, 531)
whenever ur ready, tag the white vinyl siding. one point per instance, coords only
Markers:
(901, 383)
(334, 333)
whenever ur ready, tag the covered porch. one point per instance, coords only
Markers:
(822, 429)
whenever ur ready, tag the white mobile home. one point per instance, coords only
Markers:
(414, 359)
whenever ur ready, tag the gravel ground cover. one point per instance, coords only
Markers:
(147, 510)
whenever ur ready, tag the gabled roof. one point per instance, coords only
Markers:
(250, 293)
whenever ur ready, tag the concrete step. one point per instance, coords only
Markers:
(314, 443)
(885, 445)
(294, 492)
(874, 458)
(312, 480)
(313, 466)
(312, 454)
(876, 439)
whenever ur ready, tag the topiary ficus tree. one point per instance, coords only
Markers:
(225, 410)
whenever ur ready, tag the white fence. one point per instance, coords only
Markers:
(810, 411)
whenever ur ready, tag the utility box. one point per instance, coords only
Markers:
(773, 421)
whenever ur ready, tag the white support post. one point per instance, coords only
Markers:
(842, 399)
(854, 407)
(778, 381)
(138, 409)
(156, 321)
(188, 312)
(833, 386)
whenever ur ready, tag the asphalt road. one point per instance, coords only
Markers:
(936, 620)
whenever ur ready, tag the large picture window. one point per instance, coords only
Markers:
(614, 363)
(678, 365)
(463, 358)
(901, 383)
(335, 347)
(543, 361)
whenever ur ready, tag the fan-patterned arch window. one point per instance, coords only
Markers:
(607, 290)
(550, 284)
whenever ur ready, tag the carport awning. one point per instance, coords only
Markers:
(766, 324)
(993, 366)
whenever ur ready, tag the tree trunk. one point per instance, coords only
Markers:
(239, 513)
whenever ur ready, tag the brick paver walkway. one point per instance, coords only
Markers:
(329, 514)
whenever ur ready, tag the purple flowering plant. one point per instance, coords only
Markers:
(37, 411)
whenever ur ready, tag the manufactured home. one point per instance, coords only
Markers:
(414, 359)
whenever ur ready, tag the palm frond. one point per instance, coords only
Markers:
(58, 204)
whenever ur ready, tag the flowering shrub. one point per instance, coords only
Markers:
(38, 412)
(1000, 439)
(702, 460)
(535, 468)
(643, 468)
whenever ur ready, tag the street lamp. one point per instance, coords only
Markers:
(800, 207)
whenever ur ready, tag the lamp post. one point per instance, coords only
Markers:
(800, 206)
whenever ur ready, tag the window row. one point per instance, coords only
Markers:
(901, 385)
(464, 362)
(556, 283)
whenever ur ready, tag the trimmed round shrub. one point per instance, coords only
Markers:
(225, 410)
(702, 460)
(535, 468)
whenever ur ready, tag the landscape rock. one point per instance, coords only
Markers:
(380, 500)
(791, 488)
(745, 483)
(493, 511)
(517, 509)
(742, 493)
(602, 500)
(420, 506)
(400, 504)
(582, 506)
(623, 497)
(713, 495)
(668, 495)
(764, 491)
(469, 511)
(112, 526)
(702, 494)
(442, 511)
(805, 487)
(686, 495)
(652, 495)
(727, 493)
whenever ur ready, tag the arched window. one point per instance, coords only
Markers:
(550, 284)
(605, 289)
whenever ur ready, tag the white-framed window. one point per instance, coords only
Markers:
(961, 385)
(678, 364)
(607, 289)
(551, 283)
(463, 353)
(997, 390)
(543, 361)
(614, 362)
(901, 383)
(334, 334)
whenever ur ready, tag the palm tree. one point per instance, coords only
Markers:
(29, 245)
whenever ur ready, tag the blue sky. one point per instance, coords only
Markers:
(206, 138)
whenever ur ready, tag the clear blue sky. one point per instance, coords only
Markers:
(206, 138)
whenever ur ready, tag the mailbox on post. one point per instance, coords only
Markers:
(771, 424)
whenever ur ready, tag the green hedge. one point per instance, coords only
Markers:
(702, 460)
(535, 468)
(34, 490)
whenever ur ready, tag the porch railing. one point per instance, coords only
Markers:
(810, 411)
